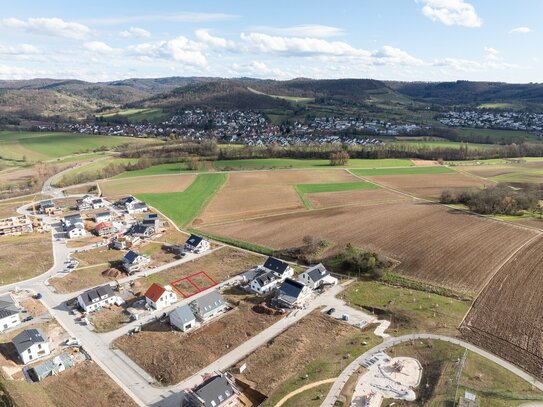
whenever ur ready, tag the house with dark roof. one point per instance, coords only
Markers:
(316, 277)
(182, 318)
(142, 231)
(196, 244)
(31, 344)
(215, 391)
(46, 207)
(160, 297)
(9, 312)
(292, 294)
(75, 231)
(98, 297)
(134, 262)
(281, 269)
(70, 220)
(103, 217)
(208, 305)
(264, 283)
(152, 220)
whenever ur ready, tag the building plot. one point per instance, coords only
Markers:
(507, 318)
(434, 244)
(251, 194)
(146, 185)
(193, 284)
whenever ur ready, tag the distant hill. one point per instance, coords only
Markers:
(465, 92)
(43, 98)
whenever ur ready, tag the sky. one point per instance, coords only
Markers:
(407, 40)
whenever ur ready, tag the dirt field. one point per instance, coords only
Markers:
(172, 356)
(507, 318)
(219, 265)
(252, 194)
(23, 257)
(34, 307)
(359, 197)
(82, 278)
(487, 171)
(278, 368)
(434, 244)
(143, 185)
(428, 186)
(424, 163)
(69, 389)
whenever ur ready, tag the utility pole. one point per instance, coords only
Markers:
(459, 374)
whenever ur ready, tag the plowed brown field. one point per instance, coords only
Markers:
(507, 318)
(428, 185)
(436, 245)
(251, 194)
(358, 197)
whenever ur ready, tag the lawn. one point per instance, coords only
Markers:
(171, 168)
(403, 171)
(137, 115)
(23, 257)
(271, 163)
(303, 189)
(183, 207)
(408, 310)
(36, 146)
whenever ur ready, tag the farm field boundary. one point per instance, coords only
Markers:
(304, 189)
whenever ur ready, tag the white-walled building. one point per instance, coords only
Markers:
(9, 312)
(182, 318)
(31, 344)
(98, 297)
(316, 277)
(160, 297)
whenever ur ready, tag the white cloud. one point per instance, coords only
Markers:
(49, 26)
(297, 46)
(492, 54)
(14, 72)
(135, 32)
(179, 49)
(451, 12)
(258, 69)
(520, 30)
(23, 49)
(183, 17)
(99, 47)
(305, 30)
(394, 56)
(205, 37)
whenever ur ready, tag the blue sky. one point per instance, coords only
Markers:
(430, 40)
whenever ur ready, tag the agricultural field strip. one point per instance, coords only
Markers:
(303, 189)
(497, 270)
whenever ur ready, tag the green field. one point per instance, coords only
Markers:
(294, 99)
(183, 207)
(171, 169)
(403, 171)
(494, 136)
(137, 115)
(443, 144)
(278, 163)
(36, 146)
(303, 189)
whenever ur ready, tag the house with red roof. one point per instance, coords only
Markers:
(105, 229)
(159, 297)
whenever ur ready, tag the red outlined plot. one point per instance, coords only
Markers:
(193, 284)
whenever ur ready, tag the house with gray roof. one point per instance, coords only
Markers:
(182, 318)
(9, 312)
(280, 268)
(216, 391)
(98, 297)
(292, 294)
(31, 344)
(51, 367)
(196, 244)
(208, 305)
(264, 283)
(317, 276)
(133, 261)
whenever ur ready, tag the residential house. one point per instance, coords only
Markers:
(279, 268)
(141, 231)
(75, 231)
(125, 242)
(196, 244)
(70, 220)
(103, 217)
(316, 277)
(89, 202)
(46, 207)
(292, 294)
(152, 220)
(98, 297)
(31, 344)
(9, 312)
(182, 318)
(105, 229)
(264, 283)
(134, 262)
(160, 297)
(215, 391)
(97, 203)
(51, 367)
(15, 225)
(209, 305)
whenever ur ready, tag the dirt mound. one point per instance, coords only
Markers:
(112, 273)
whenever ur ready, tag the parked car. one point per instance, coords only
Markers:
(37, 296)
(28, 318)
(330, 311)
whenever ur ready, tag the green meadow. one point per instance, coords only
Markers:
(303, 189)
